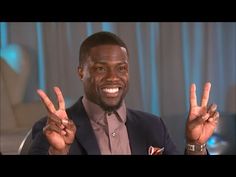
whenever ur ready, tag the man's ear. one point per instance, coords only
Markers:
(81, 72)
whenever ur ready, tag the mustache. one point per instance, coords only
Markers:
(112, 84)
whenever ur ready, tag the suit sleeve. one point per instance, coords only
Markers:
(170, 148)
(39, 144)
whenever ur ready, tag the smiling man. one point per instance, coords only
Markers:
(100, 123)
(105, 75)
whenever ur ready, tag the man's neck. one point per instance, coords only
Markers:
(96, 112)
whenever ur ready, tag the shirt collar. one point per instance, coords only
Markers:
(96, 113)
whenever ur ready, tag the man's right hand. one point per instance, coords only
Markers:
(59, 129)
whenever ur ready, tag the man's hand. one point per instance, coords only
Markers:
(202, 120)
(59, 130)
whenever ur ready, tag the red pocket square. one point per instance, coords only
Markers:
(155, 150)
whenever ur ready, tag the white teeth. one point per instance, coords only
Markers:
(111, 90)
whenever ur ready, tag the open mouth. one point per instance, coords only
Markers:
(111, 91)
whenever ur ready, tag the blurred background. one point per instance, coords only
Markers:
(165, 58)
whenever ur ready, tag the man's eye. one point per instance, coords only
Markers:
(122, 68)
(100, 69)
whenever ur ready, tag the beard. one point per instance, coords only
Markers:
(104, 104)
(107, 105)
(109, 108)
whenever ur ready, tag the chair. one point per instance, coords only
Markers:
(25, 144)
(17, 114)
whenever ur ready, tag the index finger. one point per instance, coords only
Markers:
(206, 93)
(60, 98)
(193, 97)
(47, 102)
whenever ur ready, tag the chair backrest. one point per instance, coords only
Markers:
(25, 144)
(16, 71)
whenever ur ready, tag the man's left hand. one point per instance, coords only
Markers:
(202, 120)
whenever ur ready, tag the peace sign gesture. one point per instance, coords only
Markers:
(202, 120)
(59, 129)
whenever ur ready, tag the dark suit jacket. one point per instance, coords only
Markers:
(144, 130)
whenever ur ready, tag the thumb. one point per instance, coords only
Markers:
(198, 121)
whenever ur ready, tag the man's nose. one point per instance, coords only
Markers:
(112, 76)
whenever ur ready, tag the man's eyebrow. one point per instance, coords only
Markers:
(124, 62)
(104, 62)
(100, 62)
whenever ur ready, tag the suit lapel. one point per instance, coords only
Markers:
(84, 134)
(136, 135)
(86, 137)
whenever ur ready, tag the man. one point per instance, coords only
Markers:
(100, 123)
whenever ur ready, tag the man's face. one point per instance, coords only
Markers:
(105, 76)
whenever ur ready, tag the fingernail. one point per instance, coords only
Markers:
(205, 116)
(63, 132)
(65, 121)
(210, 119)
(214, 106)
